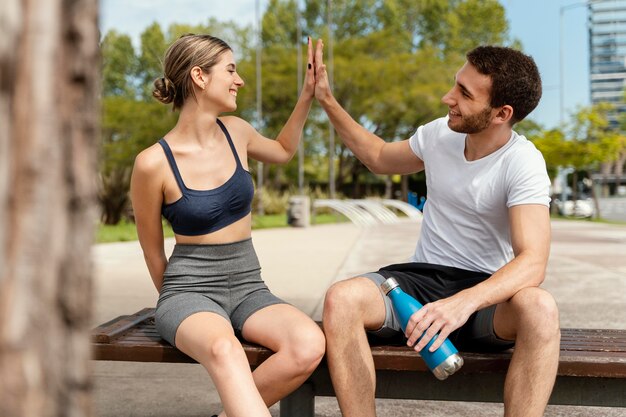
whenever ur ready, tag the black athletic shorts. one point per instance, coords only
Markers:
(427, 283)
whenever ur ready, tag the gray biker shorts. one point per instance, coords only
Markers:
(224, 279)
(427, 283)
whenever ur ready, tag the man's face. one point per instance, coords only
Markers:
(468, 101)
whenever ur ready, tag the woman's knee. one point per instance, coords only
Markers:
(222, 351)
(307, 347)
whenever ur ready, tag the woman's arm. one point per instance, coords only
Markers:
(147, 198)
(285, 146)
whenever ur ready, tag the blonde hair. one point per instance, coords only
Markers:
(187, 52)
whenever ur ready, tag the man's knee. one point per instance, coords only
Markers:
(355, 298)
(536, 310)
(344, 295)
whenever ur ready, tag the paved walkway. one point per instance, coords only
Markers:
(586, 274)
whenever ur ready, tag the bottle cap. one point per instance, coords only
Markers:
(388, 285)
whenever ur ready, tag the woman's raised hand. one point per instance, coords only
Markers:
(316, 80)
(308, 88)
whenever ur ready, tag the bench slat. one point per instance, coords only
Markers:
(108, 331)
(584, 352)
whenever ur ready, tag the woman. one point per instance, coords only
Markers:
(196, 177)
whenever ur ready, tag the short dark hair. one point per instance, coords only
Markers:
(515, 78)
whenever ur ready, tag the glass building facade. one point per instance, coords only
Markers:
(607, 53)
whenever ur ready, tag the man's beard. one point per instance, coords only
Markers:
(475, 123)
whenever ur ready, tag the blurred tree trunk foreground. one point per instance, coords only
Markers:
(49, 130)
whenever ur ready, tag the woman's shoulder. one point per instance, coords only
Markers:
(237, 126)
(150, 160)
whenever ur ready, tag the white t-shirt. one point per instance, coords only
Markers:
(466, 218)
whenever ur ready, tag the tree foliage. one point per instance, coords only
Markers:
(119, 65)
(584, 144)
(393, 61)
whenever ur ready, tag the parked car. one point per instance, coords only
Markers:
(576, 208)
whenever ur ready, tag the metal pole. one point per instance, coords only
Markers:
(561, 60)
(300, 144)
(331, 135)
(259, 100)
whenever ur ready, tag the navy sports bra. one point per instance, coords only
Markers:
(199, 212)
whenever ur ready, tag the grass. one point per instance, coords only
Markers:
(125, 231)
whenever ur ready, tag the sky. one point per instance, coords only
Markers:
(536, 23)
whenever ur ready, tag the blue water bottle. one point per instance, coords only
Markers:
(446, 359)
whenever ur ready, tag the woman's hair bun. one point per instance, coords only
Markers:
(164, 90)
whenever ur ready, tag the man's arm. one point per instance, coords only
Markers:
(530, 238)
(379, 156)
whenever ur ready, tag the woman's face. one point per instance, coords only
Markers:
(224, 82)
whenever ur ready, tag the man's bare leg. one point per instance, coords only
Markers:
(350, 307)
(531, 318)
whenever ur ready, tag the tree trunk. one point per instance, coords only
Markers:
(405, 188)
(356, 184)
(619, 170)
(49, 86)
(575, 186)
(605, 170)
(574, 191)
(388, 187)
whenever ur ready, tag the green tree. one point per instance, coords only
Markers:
(470, 23)
(150, 58)
(591, 124)
(589, 141)
(118, 65)
(396, 59)
(128, 126)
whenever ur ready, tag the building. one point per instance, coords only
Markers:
(607, 53)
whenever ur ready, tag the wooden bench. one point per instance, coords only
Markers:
(592, 367)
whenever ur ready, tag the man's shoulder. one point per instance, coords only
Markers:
(523, 161)
(524, 149)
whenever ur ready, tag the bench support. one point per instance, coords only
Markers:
(568, 390)
(592, 367)
(299, 403)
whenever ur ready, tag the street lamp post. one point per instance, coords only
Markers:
(301, 143)
(259, 107)
(331, 128)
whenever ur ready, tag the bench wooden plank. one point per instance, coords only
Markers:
(592, 367)
(109, 331)
(584, 352)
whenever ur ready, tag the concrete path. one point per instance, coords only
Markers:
(586, 274)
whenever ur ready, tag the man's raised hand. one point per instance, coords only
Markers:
(322, 85)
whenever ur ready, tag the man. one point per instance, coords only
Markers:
(484, 243)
